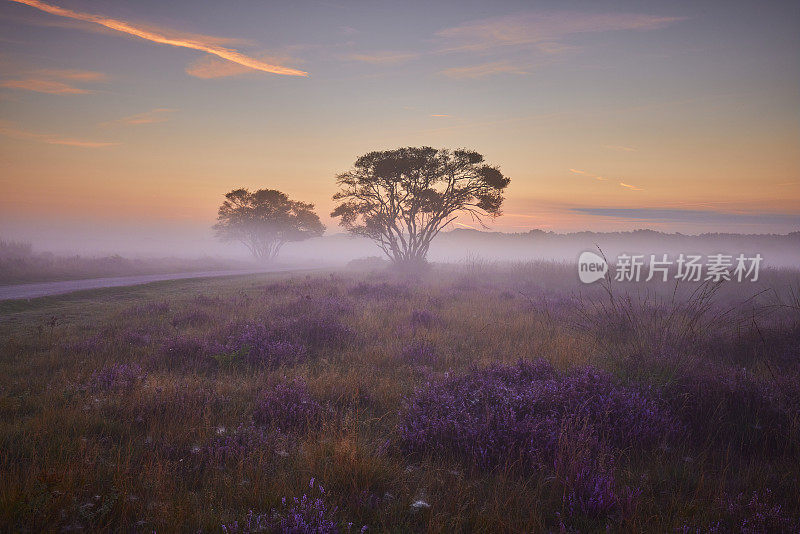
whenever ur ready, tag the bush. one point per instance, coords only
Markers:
(501, 413)
(318, 331)
(733, 407)
(288, 407)
(117, 377)
(186, 353)
(237, 444)
(260, 345)
(308, 514)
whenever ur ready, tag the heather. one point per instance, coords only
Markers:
(116, 377)
(517, 413)
(466, 398)
(308, 514)
(288, 407)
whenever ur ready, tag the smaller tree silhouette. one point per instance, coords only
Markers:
(265, 220)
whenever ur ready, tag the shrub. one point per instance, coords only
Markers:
(117, 377)
(288, 407)
(585, 467)
(308, 514)
(260, 345)
(318, 331)
(501, 413)
(748, 514)
(734, 407)
(239, 443)
(186, 353)
(754, 514)
(136, 336)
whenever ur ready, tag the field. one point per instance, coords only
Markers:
(469, 398)
(20, 264)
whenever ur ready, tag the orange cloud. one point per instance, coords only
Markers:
(621, 148)
(208, 67)
(71, 74)
(439, 115)
(584, 173)
(54, 82)
(484, 69)
(9, 130)
(44, 86)
(632, 187)
(148, 117)
(207, 46)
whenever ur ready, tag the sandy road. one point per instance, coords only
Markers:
(44, 289)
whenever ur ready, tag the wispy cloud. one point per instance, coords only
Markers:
(9, 130)
(699, 216)
(439, 115)
(537, 28)
(590, 175)
(631, 187)
(208, 67)
(484, 69)
(148, 117)
(56, 82)
(620, 148)
(208, 46)
(382, 58)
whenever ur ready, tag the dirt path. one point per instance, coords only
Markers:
(44, 289)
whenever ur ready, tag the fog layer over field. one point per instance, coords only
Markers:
(150, 253)
(456, 245)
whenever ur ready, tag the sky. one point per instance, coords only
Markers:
(121, 118)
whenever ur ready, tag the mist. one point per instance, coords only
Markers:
(149, 241)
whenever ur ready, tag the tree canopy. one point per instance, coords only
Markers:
(265, 220)
(403, 198)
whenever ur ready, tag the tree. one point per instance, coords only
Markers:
(265, 220)
(402, 198)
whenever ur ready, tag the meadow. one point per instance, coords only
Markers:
(20, 264)
(469, 398)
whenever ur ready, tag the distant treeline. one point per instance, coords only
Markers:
(777, 250)
(462, 244)
(19, 263)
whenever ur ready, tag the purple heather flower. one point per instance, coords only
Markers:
(288, 407)
(116, 377)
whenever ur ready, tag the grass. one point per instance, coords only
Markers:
(19, 264)
(185, 405)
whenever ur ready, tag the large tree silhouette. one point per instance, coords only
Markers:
(265, 220)
(403, 198)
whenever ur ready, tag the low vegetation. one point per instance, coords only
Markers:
(20, 263)
(468, 399)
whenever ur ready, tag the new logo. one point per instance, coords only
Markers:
(591, 267)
